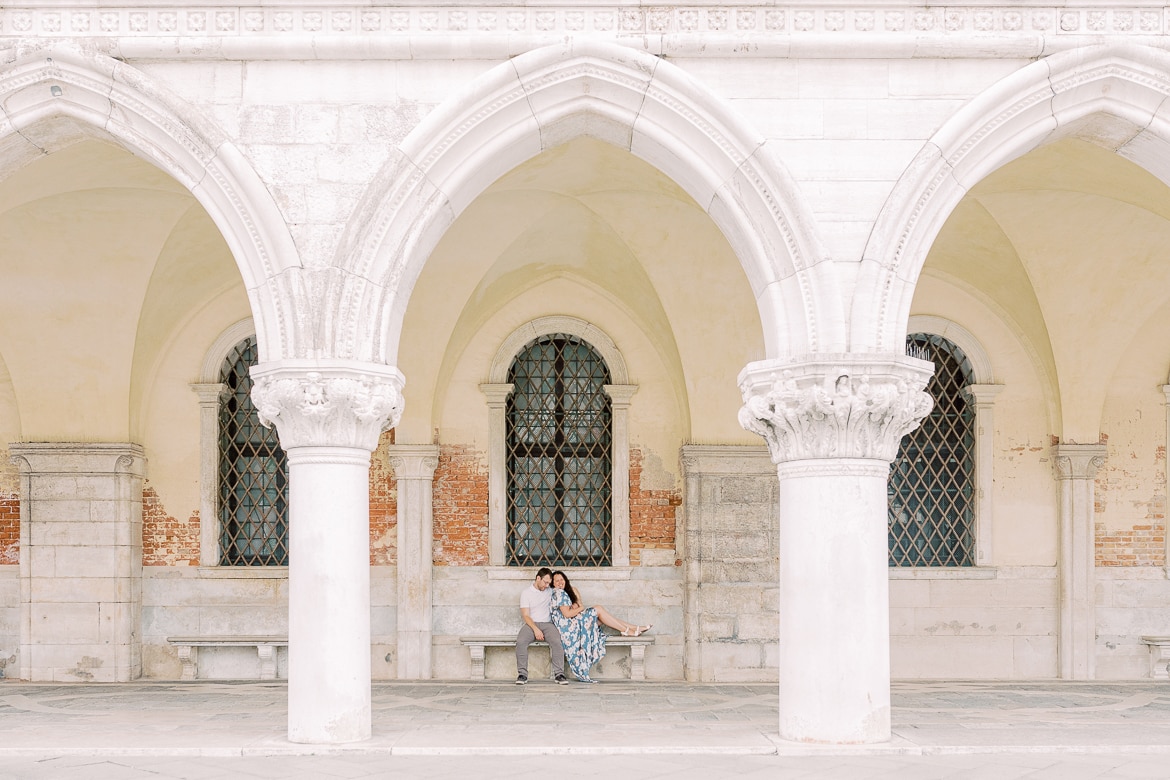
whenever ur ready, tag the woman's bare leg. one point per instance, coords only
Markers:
(607, 619)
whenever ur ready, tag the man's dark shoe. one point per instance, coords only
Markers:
(560, 678)
(522, 679)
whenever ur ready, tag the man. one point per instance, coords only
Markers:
(535, 608)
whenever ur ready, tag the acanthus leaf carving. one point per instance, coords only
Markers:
(835, 406)
(339, 405)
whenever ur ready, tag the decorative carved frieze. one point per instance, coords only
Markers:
(835, 406)
(322, 404)
(877, 19)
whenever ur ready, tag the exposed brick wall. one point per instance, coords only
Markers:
(652, 514)
(1142, 545)
(9, 529)
(1130, 488)
(167, 541)
(461, 507)
(383, 505)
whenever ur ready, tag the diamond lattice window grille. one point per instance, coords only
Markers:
(932, 481)
(253, 473)
(559, 456)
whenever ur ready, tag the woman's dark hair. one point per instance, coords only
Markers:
(573, 597)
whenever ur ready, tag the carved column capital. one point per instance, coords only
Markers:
(1078, 461)
(835, 406)
(316, 403)
(414, 461)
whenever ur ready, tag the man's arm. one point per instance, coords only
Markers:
(536, 632)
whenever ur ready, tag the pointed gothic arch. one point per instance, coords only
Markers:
(61, 95)
(544, 98)
(1111, 95)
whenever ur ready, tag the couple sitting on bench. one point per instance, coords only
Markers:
(553, 613)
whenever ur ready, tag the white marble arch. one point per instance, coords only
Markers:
(545, 98)
(61, 94)
(1111, 95)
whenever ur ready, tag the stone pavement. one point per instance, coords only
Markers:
(436, 729)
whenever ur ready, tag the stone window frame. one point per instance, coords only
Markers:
(982, 393)
(209, 389)
(496, 391)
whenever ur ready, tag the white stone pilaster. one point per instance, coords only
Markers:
(983, 398)
(619, 397)
(414, 472)
(80, 561)
(497, 401)
(329, 415)
(833, 424)
(210, 394)
(1076, 468)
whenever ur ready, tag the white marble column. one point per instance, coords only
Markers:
(833, 424)
(414, 472)
(329, 415)
(80, 561)
(1076, 468)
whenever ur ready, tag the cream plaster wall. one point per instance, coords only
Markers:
(81, 229)
(1024, 497)
(1131, 486)
(588, 231)
(114, 269)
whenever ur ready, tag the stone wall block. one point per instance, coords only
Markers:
(274, 124)
(316, 124)
(65, 624)
(731, 546)
(352, 164)
(979, 657)
(1138, 593)
(68, 532)
(111, 510)
(717, 628)
(57, 509)
(1034, 657)
(732, 518)
(383, 585)
(757, 627)
(1132, 622)
(724, 658)
(87, 561)
(243, 620)
(989, 621)
(751, 490)
(285, 165)
(159, 623)
(65, 590)
(471, 619)
(749, 572)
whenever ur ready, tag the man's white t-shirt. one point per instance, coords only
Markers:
(537, 602)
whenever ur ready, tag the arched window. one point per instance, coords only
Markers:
(932, 481)
(253, 472)
(559, 456)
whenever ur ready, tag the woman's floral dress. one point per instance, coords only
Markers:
(581, 636)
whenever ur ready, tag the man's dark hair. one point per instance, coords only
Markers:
(542, 571)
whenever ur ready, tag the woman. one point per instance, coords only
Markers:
(580, 630)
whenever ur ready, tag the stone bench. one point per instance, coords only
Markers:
(265, 648)
(1159, 656)
(637, 645)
